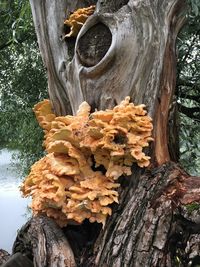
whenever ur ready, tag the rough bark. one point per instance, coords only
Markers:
(153, 227)
(18, 260)
(125, 48)
(4, 256)
(43, 242)
(157, 223)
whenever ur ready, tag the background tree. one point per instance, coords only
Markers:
(22, 83)
(188, 90)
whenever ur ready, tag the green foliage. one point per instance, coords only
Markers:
(178, 262)
(16, 22)
(22, 83)
(192, 207)
(195, 7)
(189, 144)
(188, 90)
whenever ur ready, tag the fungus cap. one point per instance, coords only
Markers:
(65, 184)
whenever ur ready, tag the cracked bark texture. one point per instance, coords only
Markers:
(154, 227)
(126, 48)
(44, 243)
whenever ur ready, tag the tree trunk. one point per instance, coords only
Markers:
(124, 48)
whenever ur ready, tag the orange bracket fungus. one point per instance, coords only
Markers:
(64, 184)
(77, 19)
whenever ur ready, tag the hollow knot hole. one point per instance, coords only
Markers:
(94, 44)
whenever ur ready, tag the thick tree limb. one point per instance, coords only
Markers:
(43, 239)
(167, 88)
(4, 256)
(18, 260)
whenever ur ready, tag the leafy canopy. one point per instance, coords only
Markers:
(188, 89)
(22, 82)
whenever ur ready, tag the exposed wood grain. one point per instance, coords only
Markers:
(139, 61)
(167, 89)
(42, 239)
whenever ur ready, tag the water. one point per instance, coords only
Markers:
(13, 207)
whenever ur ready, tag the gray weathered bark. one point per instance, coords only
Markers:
(127, 48)
(138, 58)
(44, 240)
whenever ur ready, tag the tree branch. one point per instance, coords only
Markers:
(183, 61)
(187, 82)
(189, 112)
(191, 97)
(19, 41)
(5, 45)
